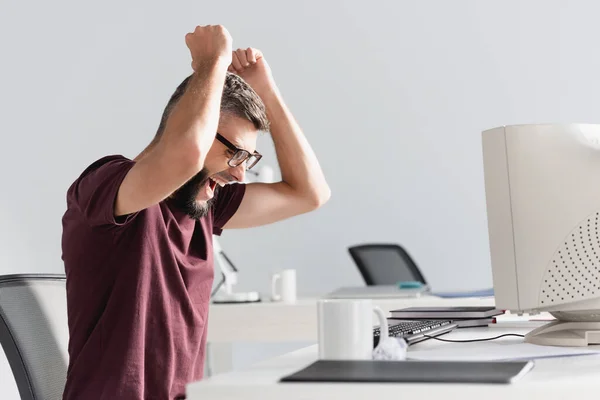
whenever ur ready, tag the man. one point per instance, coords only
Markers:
(137, 234)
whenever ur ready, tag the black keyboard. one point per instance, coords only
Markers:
(406, 329)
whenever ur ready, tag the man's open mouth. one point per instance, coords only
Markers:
(212, 184)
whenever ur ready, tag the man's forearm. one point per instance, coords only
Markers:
(299, 166)
(195, 117)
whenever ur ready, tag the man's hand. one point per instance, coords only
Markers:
(209, 44)
(251, 66)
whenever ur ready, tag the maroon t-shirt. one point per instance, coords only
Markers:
(138, 289)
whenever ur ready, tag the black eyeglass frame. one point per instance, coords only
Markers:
(241, 154)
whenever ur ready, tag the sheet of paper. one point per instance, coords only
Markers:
(495, 352)
(508, 317)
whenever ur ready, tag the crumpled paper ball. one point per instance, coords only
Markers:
(390, 349)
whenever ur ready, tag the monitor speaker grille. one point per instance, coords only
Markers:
(574, 271)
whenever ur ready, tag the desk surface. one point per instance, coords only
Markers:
(280, 322)
(555, 378)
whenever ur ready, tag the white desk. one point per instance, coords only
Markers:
(550, 379)
(268, 322)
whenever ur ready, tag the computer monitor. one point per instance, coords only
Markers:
(542, 187)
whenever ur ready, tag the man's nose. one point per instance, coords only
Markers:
(239, 172)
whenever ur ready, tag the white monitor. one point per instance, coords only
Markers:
(542, 185)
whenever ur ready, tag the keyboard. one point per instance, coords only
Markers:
(415, 331)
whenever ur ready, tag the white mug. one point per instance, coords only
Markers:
(287, 286)
(346, 328)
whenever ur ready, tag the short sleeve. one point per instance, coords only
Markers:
(94, 193)
(227, 201)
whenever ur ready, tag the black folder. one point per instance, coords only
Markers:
(501, 372)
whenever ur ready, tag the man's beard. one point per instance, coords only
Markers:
(185, 196)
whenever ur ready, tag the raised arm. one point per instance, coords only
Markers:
(190, 130)
(303, 187)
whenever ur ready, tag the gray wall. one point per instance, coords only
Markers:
(392, 95)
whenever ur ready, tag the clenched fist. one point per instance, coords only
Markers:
(251, 65)
(209, 43)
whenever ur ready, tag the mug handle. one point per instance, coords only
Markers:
(383, 324)
(275, 296)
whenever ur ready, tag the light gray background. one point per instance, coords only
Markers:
(392, 95)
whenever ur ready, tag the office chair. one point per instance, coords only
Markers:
(385, 264)
(34, 333)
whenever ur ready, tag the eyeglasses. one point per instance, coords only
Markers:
(240, 156)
